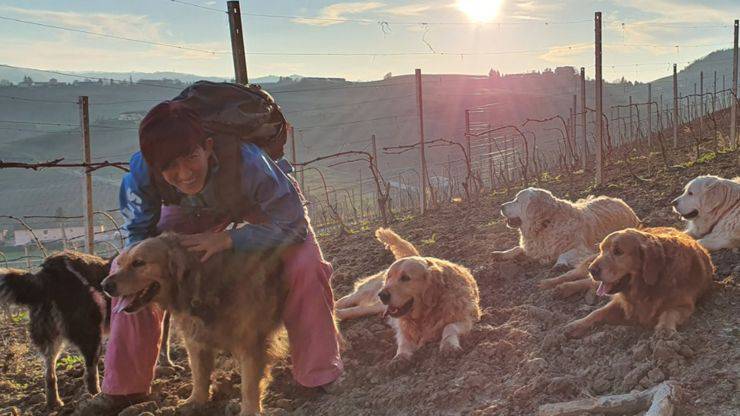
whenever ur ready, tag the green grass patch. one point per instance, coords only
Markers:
(429, 241)
(12, 385)
(68, 362)
(549, 177)
(705, 158)
(406, 218)
(19, 318)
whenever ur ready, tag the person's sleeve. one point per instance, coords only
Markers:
(265, 184)
(139, 201)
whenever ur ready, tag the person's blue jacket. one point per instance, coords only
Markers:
(264, 184)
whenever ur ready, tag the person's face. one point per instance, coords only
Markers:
(188, 173)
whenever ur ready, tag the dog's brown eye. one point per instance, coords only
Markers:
(617, 251)
(137, 263)
(405, 278)
(690, 193)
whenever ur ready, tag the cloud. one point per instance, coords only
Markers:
(660, 27)
(64, 54)
(124, 25)
(673, 12)
(417, 9)
(64, 46)
(338, 11)
(64, 50)
(567, 53)
(530, 10)
(535, 6)
(666, 18)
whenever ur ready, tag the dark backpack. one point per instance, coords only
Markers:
(244, 112)
(232, 114)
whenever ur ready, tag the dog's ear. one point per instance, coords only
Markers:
(178, 264)
(433, 277)
(653, 260)
(714, 195)
(718, 194)
(539, 211)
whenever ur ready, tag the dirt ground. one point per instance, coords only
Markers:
(516, 357)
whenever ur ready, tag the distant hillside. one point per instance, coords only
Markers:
(719, 61)
(328, 115)
(15, 75)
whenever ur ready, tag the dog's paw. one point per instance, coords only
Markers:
(566, 290)
(192, 401)
(547, 283)
(576, 329)
(250, 411)
(399, 363)
(449, 349)
(665, 333)
(559, 269)
(54, 404)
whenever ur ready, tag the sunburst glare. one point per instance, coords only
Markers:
(480, 10)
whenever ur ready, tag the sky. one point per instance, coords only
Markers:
(364, 40)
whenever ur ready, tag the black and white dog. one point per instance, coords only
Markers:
(66, 303)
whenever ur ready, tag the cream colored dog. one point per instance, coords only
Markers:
(712, 207)
(560, 231)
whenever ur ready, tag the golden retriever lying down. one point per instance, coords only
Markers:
(655, 277)
(560, 231)
(232, 302)
(364, 299)
(429, 299)
(712, 207)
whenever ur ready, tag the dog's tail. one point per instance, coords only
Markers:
(20, 287)
(397, 245)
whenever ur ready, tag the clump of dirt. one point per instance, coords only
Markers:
(514, 360)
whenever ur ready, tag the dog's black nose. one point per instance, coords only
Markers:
(595, 271)
(384, 296)
(109, 287)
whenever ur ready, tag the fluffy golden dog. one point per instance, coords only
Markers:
(712, 207)
(232, 302)
(429, 299)
(560, 231)
(364, 299)
(655, 277)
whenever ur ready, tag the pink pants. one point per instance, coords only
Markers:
(133, 344)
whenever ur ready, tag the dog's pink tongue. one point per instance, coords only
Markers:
(122, 303)
(601, 291)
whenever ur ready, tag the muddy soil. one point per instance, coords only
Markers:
(515, 359)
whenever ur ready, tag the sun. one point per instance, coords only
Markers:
(480, 10)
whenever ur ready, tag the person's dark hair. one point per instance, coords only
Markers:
(167, 132)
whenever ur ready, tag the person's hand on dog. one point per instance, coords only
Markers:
(209, 243)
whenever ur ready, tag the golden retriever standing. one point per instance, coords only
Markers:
(655, 276)
(364, 299)
(232, 302)
(560, 231)
(429, 299)
(712, 207)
